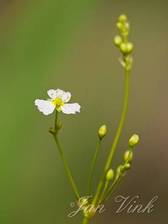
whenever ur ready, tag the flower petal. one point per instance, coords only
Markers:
(55, 93)
(52, 93)
(66, 97)
(71, 108)
(45, 106)
(59, 93)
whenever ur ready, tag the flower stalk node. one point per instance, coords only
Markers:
(90, 211)
(52, 131)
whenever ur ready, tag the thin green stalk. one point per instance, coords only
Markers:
(85, 220)
(116, 139)
(104, 191)
(66, 166)
(56, 120)
(67, 169)
(120, 127)
(94, 161)
(112, 188)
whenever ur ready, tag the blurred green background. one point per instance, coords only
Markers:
(68, 44)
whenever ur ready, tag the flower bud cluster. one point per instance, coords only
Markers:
(121, 41)
(128, 156)
(121, 169)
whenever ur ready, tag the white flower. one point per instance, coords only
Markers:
(58, 100)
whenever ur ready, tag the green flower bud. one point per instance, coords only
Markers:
(122, 18)
(126, 48)
(110, 175)
(134, 140)
(127, 166)
(123, 48)
(119, 169)
(119, 26)
(127, 26)
(128, 62)
(117, 40)
(130, 47)
(102, 131)
(128, 156)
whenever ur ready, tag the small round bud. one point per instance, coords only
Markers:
(128, 156)
(126, 48)
(130, 47)
(127, 166)
(122, 18)
(123, 48)
(110, 175)
(120, 169)
(102, 131)
(128, 62)
(119, 26)
(117, 40)
(134, 140)
(127, 26)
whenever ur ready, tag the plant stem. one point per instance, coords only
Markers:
(116, 139)
(85, 220)
(56, 120)
(66, 166)
(67, 169)
(120, 127)
(112, 188)
(104, 191)
(94, 160)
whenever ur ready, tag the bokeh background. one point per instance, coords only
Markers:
(68, 44)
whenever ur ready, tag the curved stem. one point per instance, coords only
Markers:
(94, 161)
(116, 139)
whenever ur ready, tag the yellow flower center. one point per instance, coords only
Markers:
(58, 103)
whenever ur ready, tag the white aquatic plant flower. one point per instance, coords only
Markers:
(58, 101)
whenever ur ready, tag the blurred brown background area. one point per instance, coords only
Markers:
(68, 45)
